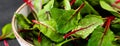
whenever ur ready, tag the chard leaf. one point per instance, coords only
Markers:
(48, 28)
(88, 9)
(23, 21)
(62, 18)
(92, 20)
(7, 32)
(97, 40)
(45, 42)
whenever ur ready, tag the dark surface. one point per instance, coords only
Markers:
(7, 9)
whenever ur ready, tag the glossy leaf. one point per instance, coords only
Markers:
(92, 20)
(97, 40)
(7, 32)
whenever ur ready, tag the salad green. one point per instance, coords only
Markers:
(71, 23)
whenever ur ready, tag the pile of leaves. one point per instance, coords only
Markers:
(71, 23)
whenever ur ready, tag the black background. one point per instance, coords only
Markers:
(7, 9)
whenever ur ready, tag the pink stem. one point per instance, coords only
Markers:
(117, 1)
(6, 43)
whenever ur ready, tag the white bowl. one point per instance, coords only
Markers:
(25, 10)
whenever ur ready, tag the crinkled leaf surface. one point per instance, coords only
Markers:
(92, 20)
(62, 18)
(7, 32)
(97, 40)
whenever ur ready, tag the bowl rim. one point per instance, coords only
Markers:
(21, 41)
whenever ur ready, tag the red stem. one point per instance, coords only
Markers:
(70, 33)
(117, 1)
(6, 43)
(29, 3)
(72, 2)
(107, 25)
(39, 39)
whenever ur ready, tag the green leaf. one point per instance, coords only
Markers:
(92, 20)
(44, 13)
(7, 32)
(48, 28)
(66, 4)
(23, 21)
(49, 5)
(97, 40)
(45, 42)
(93, 3)
(62, 18)
(60, 44)
(106, 6)
(88, 9)
(38, 4)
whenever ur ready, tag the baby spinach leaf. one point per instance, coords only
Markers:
(23, 21)
(7, 32)
(97, 40)
(92, 20)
